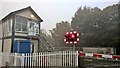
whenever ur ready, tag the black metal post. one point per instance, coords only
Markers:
(74, 47)
(13, 33)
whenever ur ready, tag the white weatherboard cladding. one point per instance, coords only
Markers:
(6, 27)
(7, 45)
(21, 34)
(0, 29)
(27, 14)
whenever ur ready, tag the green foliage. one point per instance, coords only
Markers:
(58, 33)
(97, 27)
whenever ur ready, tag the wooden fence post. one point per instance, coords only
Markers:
(22, 60)
(15, 60)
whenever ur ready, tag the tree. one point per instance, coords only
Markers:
(97, 27)
(58, 33)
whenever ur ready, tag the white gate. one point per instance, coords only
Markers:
(60, 58)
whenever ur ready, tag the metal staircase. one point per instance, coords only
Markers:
(46, 46)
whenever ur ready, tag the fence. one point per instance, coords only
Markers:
(60, 58)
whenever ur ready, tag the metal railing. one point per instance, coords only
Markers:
(45, 42)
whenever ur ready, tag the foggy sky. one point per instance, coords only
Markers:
(52, 11)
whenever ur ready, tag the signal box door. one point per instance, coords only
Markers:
(22, 46)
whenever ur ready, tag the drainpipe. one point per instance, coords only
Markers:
(3, 36)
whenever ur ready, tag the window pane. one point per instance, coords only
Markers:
(37, 28)
(24, 24)
(24, 28)
(10, 25)
(21, 24)
(18, 27)
(31, 27)
(18, 24)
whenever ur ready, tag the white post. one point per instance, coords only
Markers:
(63, 58)
(15, 60)
(30, 60)
(41, 59)
(22, 60)
(25, 59)
(48, 59)
(35, 59)
(76, 58)
(45, 59)
(38, 59)
(72, 58)
(69, 57)
(66, 58)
